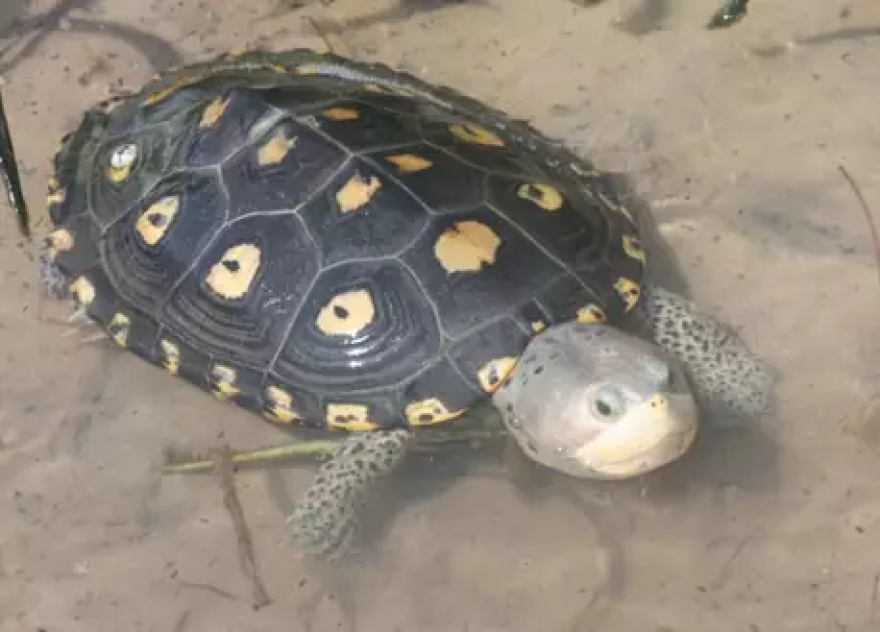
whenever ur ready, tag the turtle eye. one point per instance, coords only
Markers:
(607, 404)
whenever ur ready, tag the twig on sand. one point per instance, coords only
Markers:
(242, 533)
(869, 216)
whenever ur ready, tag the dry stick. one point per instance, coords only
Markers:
(869, 216)
(242, 533)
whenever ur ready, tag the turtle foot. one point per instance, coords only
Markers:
(732, 383)
(324, 522)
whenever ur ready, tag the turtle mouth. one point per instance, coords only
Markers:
(650, 436)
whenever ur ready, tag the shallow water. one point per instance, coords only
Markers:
(734, 137)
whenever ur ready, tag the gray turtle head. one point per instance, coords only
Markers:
(594, 402)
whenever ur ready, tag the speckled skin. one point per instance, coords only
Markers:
(397, 293)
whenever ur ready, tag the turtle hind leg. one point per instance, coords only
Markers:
(731, 382)
(325, 520)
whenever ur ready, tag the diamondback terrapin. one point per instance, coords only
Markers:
(338, 245)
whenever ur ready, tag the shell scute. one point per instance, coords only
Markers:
(329, 252)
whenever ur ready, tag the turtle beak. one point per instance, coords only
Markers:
(648, 436)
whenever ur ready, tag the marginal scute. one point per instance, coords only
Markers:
(83, 291)
(351, 417)
(617, 207)
(170, 356)
(467, 247)
(60, 240)
(346, 314)
(280, 405)
(475, 135)
(213, 112)
(493, 373)
(629, 291)
(232, 277)
(409, 163)
(543, 195)
(341, 114)
(119, 328)
(223, 382)
(633, 248)
(591, 313)
(154, 222)
(430, 411)
(357, 192)
(275, 149)
(56, 197)
(166, 92)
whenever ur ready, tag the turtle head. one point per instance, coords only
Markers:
(592, 401)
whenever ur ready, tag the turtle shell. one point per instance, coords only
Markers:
(332, 243)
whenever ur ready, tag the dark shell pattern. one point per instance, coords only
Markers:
(332, 244)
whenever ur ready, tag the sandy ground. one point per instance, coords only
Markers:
(735, 137)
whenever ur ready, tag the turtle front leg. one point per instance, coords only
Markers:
(324, 522)
(730, 381)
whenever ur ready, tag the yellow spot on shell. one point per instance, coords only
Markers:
(347, 314)
(213, 112)
(117, 175)
(467, 247)
(629, 291)
(591, 314)
(223, 382)
(231, 277)
(633, 248)
(83, 291)
(351, 417)
(538, 326)
(475, 135)
(60, 240)
(274, 150)
(408, 163)
(373, 87)
(119, 327)
(430, 411)
(54, 184)
(156, 219)
(56, 197)
(164, 93)
(543, 195)
(341, 114)
(280, 405)
(170, 356)
(357, 192)
(493, 373)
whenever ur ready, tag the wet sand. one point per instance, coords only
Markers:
(734, 137)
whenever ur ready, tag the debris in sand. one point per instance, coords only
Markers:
(242, 533)
(866, 209)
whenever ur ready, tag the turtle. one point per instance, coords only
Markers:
(339, 246)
